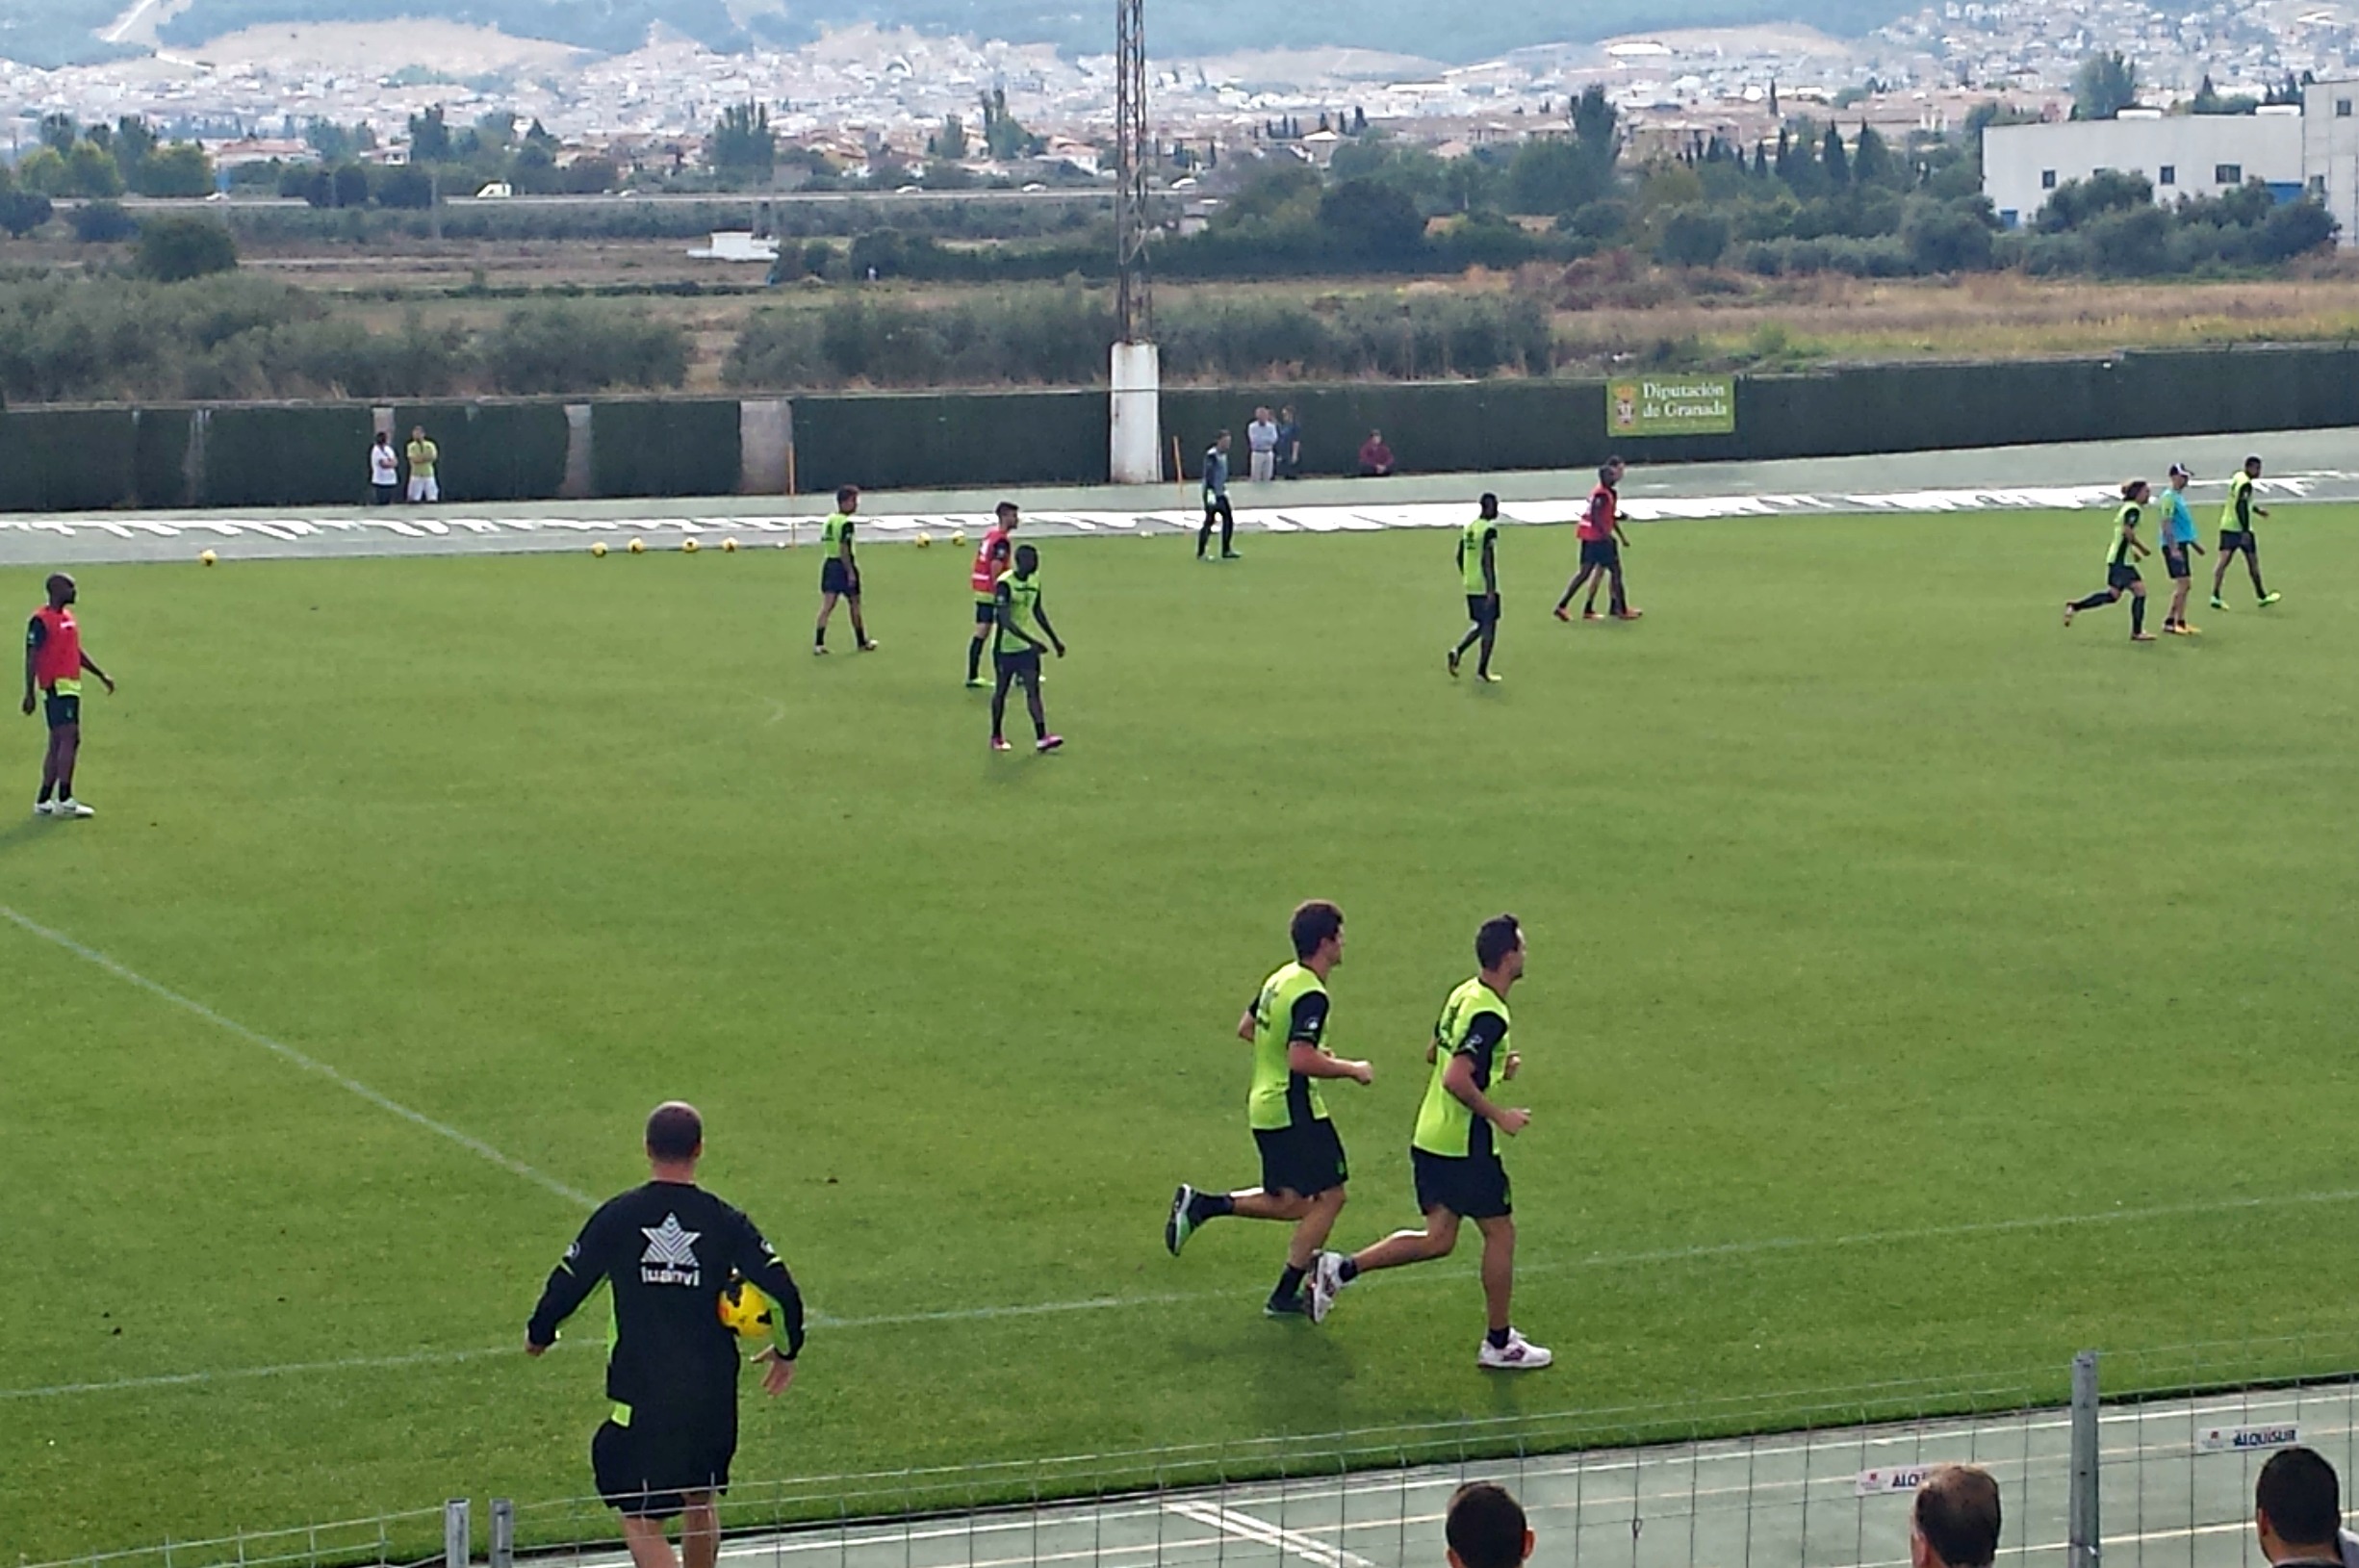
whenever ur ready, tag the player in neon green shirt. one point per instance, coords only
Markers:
(2236, 534)
(1478, 567)
(839, 575)
(2123, 554)
(1454, 1153)
(1303, 1168)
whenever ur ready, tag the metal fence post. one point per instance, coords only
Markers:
(455, 1533)
(503, 1533)
(2085, 1549)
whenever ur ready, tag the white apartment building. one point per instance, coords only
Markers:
(2330, 152)
(2184, 155)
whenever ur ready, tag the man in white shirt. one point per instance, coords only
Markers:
(1262, 443)
(384, 470)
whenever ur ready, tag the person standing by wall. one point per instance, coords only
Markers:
(423, 457)
(1290, 443)
(1262, 445)
(384, 471)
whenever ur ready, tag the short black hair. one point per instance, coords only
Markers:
(1003, 506)
(675, 1131)
(847, 493)
(1314, 922)
(1498, 937)
(57, 581)
(1489, 502)
(2298, 1492)
(1485, 1526)
(1957, 1510)
(1026, 556)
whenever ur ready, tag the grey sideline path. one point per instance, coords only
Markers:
(2174, 1494)
(2318, 465)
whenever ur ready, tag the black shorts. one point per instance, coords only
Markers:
(2232, 540)
(2174, 561)
(1481, 608)
(63, 709)
(2122, 576)
(1305, 1160)
(987, 613)
(382, 495)
(1017, 666)
(642, 1470)
(835, 579)
(1602, 553)
(1472, 1187)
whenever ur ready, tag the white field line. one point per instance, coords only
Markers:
(308, 1064)
(1247, 1528)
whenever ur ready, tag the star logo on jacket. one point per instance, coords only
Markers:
(670, 1258)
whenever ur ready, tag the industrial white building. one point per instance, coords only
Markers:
(2330, 152)
(2184, 155)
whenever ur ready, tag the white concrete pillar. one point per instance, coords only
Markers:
(1137, 445)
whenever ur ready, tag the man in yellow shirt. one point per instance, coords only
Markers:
(423, 454)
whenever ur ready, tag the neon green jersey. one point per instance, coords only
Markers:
(2236, 513)
(1020, 600)
(2125, 530)
(1291, 1006)
(1473, 1024)
(1483, 531)
(835, 534)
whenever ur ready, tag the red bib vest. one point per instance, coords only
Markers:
(59, 655)
(984, 578)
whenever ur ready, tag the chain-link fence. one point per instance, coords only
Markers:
(2161, 1477)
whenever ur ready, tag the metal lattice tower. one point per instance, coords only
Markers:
(1134, 160)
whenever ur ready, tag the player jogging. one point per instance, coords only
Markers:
(1020, 622)
(1602, 540)
(2236, 534)
(2122, 558)
(668, 1249)
(1478, 565)
(53, 662)
(1454, 1153)
(1303, 1170)
(839, 575)
(991, 559)
(2178, 538)
(1217, 507)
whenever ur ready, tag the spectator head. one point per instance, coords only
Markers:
(384, 438)
(61, 588)
(1261, 412)
(1485, 1527)
(674, 1133)
(1490, 504)
(848, 498)
(418, 432)
(2297, 1508)
(1027, 560)
(1499, 946)
(1287, 412)
(1005, 511)
(1376, 436)
(1315, 925)
(1954, 1522)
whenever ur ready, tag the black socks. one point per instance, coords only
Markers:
(1290, 1284)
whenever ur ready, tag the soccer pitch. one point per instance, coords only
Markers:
(1916, 988)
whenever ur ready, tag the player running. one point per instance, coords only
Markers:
(1303, 1170)
(53, 662)
(1454, 1153)
(1020, 622)
(992, 559)
(2236, 534)
(839, 575)
(2122, 559)
(1602, 540)
(2178, 538)
(1478, 565)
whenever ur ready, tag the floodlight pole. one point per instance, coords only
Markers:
(1136, 447)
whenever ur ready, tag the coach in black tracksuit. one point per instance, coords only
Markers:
(668, 1248)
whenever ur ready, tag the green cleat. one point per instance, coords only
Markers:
(1296, 1305)
(2267, 600)
(2219, 603)
(978, 685)
(1182, 1223)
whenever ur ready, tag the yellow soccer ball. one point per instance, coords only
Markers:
(598, 548)
(746, 1311)
(957, 536)
(689, 546)
(729, 546)
(638, 547)
(206, 557)
(924, 539)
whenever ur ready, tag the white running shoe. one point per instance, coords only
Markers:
(1518, 1354)
(1326, 1279)
(71, 808)
(41, 808)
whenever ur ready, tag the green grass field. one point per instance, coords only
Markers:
(1869, 911)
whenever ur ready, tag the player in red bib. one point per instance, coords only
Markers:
(1602, 540)
(53, 662)
(993, 558)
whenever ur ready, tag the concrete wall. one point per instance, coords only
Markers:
(2182, 154)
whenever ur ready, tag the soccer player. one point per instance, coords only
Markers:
(668, 1249)
(53, 662)
(2178, 538)
(1021, 622)
(2122, 559)
(991, 559)
(1303, 1168)
(839, 575)
(1602, 540)
(2236, 534)
(1478, 565)
(1454, 1153)
(1217, 499)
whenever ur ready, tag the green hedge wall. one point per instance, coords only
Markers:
(491, 451)
(291, 455)
(1432, 427)
(67, 459)
(952, 440)
(659, 448)
(160, 456)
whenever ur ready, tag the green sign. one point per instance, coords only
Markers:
(1669, 405)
